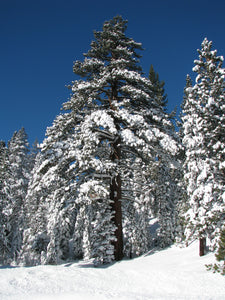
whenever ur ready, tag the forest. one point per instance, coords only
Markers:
(117, 174)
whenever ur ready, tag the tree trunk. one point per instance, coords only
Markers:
(115, 196)
(202, 245)
(115, 186)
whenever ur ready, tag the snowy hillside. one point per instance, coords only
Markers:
(174, 273)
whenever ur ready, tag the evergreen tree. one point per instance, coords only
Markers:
(50, 201)
(136, 208)
(165, 205)
(220, 255)
(167, 189)
(35, 239)
(204, 140)
(183, 204)
(16, 187)
(183, 104)
(221, 250)
(158, 88)
(128, 110)
(96, 157)
(33, 154)
(4, 227)
(186, 90)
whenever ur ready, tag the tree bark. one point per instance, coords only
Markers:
(202, 245)
(115, 196)
(115, 186)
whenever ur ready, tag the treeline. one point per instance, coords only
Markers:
(112, 162)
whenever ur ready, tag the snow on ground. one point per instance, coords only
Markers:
(173, 273)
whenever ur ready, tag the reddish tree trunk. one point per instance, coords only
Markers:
(115, 186)
(202, 245)
(115, 195)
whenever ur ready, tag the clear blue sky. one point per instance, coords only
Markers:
(40, 39)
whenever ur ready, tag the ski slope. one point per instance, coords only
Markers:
(173, 273)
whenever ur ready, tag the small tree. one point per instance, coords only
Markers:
(220, 256)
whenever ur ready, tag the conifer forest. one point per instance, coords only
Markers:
(117, 174)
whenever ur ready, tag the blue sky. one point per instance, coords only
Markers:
(41, 39)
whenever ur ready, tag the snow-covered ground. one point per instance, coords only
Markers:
(173, 273)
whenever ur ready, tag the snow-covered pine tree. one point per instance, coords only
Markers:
(35, 149)
(204, 140)
(164, 204)
(3, 163)
(136, 207)
(181, 195)
(220, 255)
(185, 97)
(97, 154)
(164, 175)
(121, 115)
(34, 241)
(50, 200)
(16, 189)
(4, 226)
(219, 267)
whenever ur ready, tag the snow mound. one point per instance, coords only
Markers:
(173, 273)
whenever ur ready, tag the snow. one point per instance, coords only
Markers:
(173, 273)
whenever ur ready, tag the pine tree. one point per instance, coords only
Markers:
(183, 204)
(33, 154)
(166, 187)
(158, 88)
(16, 187)
(136, 209)
(220, 255)
(4, 226)
(50, 200)
(124, 111)
(35, 239)
(183, 104)
(203, 138)
(96, 156)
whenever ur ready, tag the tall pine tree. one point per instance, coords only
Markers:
(96, 156)
(164, 178)
(5, 249)
(204, 141)
(16, 186)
